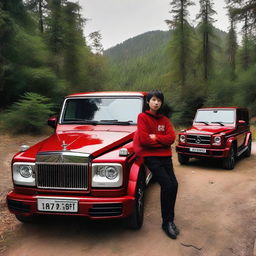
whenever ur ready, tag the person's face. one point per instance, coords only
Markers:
(154, 104)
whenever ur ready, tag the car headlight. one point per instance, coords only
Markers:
(24, 174)
(107, 175)
(217, 140)
(182, 138)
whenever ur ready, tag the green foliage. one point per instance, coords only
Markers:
(28, 115)
(207, 36)
(180, 44)
(52, 61)
(245, 88)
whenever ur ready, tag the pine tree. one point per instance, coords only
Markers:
(232, 49)
(39, 7)
(74, 42)
(96, 45)
(180, 44)
(206, 34)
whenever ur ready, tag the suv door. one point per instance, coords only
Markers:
(241, 128)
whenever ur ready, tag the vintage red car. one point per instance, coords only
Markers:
(87, 167)
(219, 133)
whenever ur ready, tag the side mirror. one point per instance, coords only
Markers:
(52, 121)
(241, 122)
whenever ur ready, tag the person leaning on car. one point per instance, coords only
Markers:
(152, 141)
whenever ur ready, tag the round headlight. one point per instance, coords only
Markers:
(101, 171)
(26, 171)
(217, 139)
(111, 173)
(182, 138)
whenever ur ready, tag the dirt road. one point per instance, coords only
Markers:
(215, 211)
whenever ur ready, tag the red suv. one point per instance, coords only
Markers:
(87, 167)
(221, 133)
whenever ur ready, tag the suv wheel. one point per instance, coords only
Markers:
(183, 159)
(247, 153)
(135, 221)
(229, 162)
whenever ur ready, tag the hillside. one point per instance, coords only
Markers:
(139, 46)
(143, 61)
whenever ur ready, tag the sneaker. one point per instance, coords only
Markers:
(169, 230)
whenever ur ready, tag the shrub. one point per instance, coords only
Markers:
(28, 115)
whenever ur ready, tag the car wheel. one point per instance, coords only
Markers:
(229, 162)
(247, 153)
(25, 219)
(183, 159)
(135, 221)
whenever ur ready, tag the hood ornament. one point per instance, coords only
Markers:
(198, 140)
(64, 145)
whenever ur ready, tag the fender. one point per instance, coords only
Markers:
(248, 136)
(230, 142)
(135, 169)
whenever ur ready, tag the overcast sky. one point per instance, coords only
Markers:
(118, 20)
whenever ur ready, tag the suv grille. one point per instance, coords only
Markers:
(62, 176)
(199, 139)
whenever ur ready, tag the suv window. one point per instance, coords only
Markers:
(225, 116)
(102, 110)
(243, 114)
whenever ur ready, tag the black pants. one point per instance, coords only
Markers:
(162, 171)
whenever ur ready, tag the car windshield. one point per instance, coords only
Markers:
(102, 110)
(215, 116)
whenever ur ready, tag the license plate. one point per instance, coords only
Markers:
(197, 150)
(57, 205)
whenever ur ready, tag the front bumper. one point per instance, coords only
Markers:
(210, 152)
(91, 207)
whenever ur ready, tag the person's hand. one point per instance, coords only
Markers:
(152, 136)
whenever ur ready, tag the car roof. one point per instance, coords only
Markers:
(108, 93)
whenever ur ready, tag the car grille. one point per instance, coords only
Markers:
(199, 139)
(62, 176)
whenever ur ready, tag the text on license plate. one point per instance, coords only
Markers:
(57, 205)
(197, 150)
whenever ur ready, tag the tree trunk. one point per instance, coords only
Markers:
(41, 25)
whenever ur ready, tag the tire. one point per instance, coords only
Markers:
(135, 221)
(247, 153)
(25, 219)
(229, 162)
(183, 159)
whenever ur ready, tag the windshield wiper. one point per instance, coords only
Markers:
(93, 122)
(115, 121)
(218, 123)
(202, 122)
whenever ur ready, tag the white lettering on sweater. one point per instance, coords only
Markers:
(161, 128)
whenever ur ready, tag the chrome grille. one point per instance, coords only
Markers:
(62, 176)
(199, 139)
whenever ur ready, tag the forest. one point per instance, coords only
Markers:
(45, 55)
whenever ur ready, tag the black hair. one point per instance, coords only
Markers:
(157, 94)
(151, 94)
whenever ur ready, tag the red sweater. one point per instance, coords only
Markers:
(153, 124)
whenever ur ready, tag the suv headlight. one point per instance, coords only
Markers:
(216, 140)
(107, 175)
(182, 138)
(24, 174)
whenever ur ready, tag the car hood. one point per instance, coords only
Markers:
(90, 140)
(209, 130)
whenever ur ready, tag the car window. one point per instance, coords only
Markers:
(215, 115)
(102, 109)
